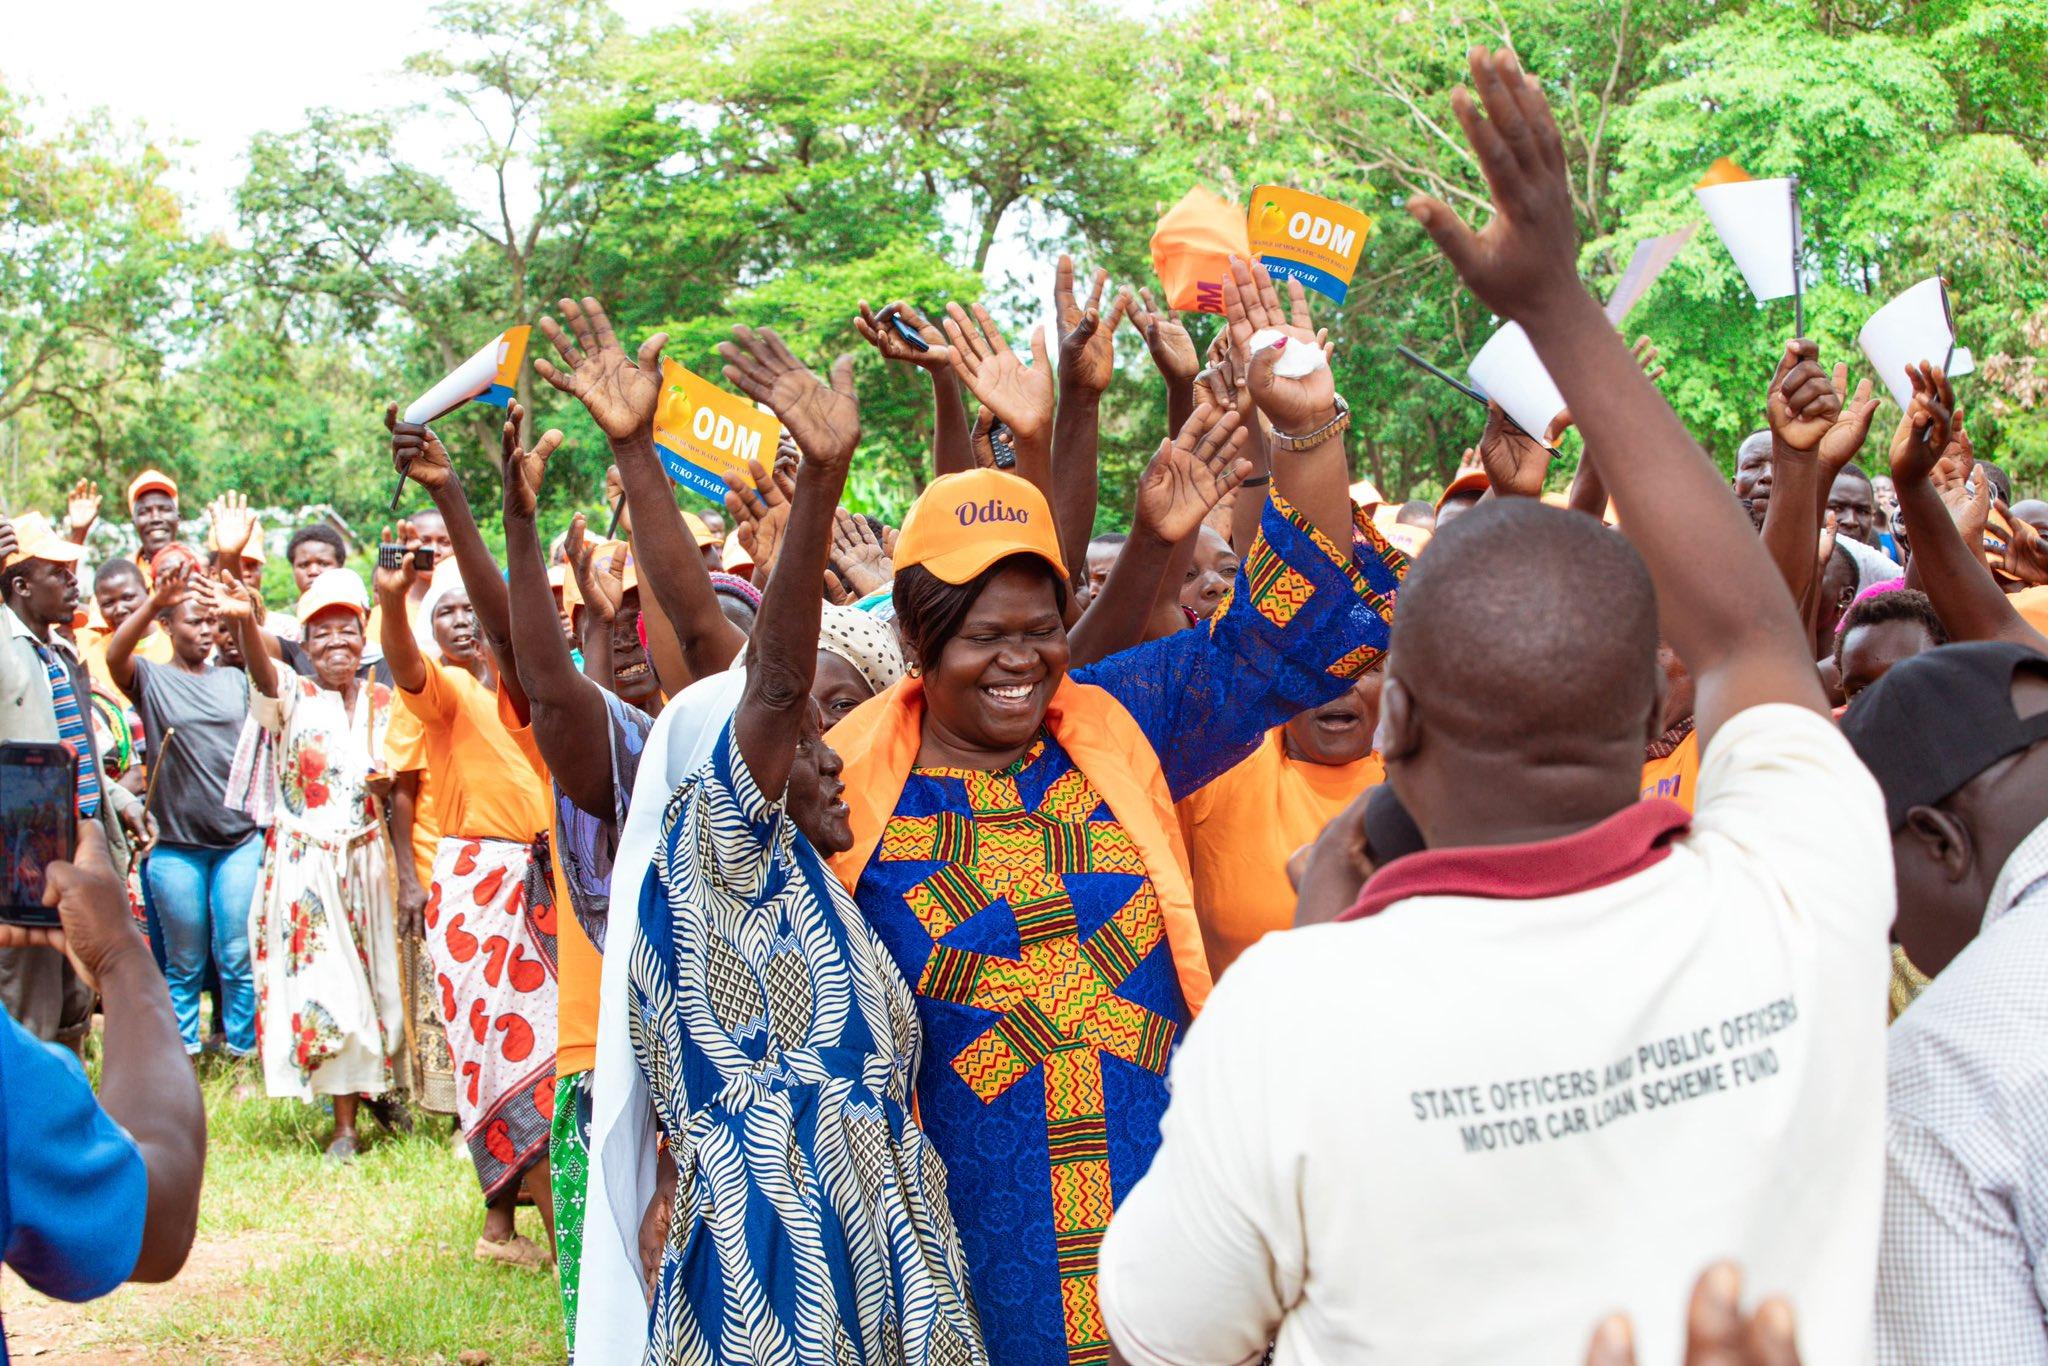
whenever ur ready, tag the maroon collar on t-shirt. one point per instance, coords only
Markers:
(1623, 845)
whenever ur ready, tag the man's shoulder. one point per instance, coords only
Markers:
(1973, 1047)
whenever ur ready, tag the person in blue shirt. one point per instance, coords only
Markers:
(98, 1190)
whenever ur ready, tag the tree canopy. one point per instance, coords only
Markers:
(778, 165)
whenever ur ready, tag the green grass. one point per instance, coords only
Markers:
(299, 1262)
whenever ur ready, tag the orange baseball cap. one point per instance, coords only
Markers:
(148, 480)
(698, 530)
(36, 539)
(1468, 481)
(735, 557)
(963, 523)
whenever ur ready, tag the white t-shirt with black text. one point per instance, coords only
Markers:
(1467, 1130)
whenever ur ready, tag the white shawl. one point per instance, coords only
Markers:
(611, 1308)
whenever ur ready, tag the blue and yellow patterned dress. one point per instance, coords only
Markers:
(810, 1222)
(1021, 912)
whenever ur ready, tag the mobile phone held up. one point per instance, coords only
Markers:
(38, 825)
(390, 555)
(908, 333)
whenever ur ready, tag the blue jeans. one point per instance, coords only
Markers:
(202, 898)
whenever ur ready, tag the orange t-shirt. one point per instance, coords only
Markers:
(484, 786)
(405, 751)
(2032, 605)
(1676, 776)
(1242, 828)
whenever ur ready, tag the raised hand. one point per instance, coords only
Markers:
(417, 453)
(233, 523)
(1173, 350)
(981, 441)
(1251, 304)
(582, 553)
(620, 392)
(1526, 258)
(524, 469)
(1087, 339)
(1514, 461)
(1923, 431)
(1190, 474)
(82, 509)
(824, 420)
(1851, 426)
(1020, 395)
(879, 331)
(1802, 405)
(231, 597)
(399, 581)
(858, 554)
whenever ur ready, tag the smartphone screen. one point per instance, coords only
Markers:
(38, 793)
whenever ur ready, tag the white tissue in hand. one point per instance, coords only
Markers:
(1300, 358)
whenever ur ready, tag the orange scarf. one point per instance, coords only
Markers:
(879, 743)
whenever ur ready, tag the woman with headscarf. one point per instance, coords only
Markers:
(1014, 837)
(858, 657)
(323, 927)
(806, 1217)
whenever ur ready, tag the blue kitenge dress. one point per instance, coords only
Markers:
(810, 1223)
(1018, 906)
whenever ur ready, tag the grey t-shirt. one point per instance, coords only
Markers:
(191, 776)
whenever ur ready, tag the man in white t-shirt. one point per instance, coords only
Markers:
(1576, 1049)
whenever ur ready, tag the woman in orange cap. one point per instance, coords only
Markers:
(1015, 845)
(323, 930)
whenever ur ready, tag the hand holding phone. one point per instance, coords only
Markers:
(38, 826)
(391, 555)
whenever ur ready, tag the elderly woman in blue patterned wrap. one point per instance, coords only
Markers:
(805, 1216)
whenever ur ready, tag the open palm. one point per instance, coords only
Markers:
(1190, 474)
(1087, 339)
(823, 420)
(620, 392)
(524, 470)
(1173, 350)
(1251, 304)
(1018, 394)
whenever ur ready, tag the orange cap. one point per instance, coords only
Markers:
(963, 523)
(148, 480)
(735, 557)
(36, 539)
(698, 530)
(1468, 481)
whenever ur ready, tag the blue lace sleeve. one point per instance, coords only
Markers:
(1299, 626)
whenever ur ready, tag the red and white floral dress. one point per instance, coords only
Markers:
(323, 930)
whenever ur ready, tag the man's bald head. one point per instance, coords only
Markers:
(1529, 628)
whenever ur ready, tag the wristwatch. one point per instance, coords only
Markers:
(1309, 440)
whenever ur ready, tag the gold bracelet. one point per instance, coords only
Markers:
(1336, 426)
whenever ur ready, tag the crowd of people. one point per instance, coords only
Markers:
(1307, 924)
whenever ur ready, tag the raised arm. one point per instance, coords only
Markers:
(1971, 604)
(394, 632)
(1727, 612)
(1018, 394)
(950, 451)
(1173, 355)
(170, 589)
(420, 456)
(1310, 469)
(1087, 364)
(233, 600)
(567, 708)
(1188, 476)
(622, 395)
(1801, 407)
(825, 421)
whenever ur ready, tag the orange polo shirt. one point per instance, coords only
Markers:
(155, 647)
(484, 786)
(405, 751)
(1242, 828)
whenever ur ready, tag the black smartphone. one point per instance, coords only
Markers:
(908, 333)
(38, 825)
(391, 554)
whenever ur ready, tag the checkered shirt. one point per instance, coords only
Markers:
(1963, 1264)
